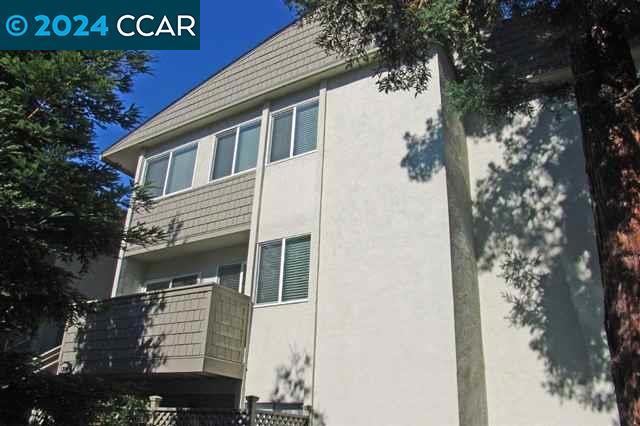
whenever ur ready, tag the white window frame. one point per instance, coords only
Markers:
(170, 153)
(171, 279)
(243, 269)
(233, 129)
(281, 276)
(283, 111)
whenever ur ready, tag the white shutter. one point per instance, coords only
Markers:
(269, 272)
(295, 283)
(306, 128)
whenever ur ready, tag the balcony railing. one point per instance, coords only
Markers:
(213, 210)
(200, 329)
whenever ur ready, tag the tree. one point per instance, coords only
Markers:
(604, 85)
(125, 410)
(68, 399)
(58, 202)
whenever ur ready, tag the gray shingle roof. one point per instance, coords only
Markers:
(288, 56)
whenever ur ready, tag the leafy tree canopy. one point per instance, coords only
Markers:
(481, 40)
(65, 400)
(407, 34)
(58, 202)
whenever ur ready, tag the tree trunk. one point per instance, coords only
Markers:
(609, 108)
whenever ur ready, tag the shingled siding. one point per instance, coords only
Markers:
(226, 337)
(286, 57)
(209, 211)
(162, 332)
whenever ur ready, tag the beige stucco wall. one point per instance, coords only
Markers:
(130, 278)
(282, 336)
(375, 343)
(385, 343)
(136, 272)
(546, 356)
(94, 284)
(206, 263)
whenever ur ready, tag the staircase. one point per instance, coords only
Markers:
(47, 362)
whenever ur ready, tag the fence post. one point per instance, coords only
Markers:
(154, 404)
(251, 409)
(308, 409)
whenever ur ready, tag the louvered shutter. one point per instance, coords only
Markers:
(269, 273)
(296, 268)
(281, 136)
(230, 276)
(306, 129)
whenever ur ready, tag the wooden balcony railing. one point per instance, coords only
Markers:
(210, 211)
(200, 329)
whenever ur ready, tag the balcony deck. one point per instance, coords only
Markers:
(210, 211)
(192, 330)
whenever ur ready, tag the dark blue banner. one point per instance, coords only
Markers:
(99, 24)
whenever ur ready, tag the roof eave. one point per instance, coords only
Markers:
(124, 156)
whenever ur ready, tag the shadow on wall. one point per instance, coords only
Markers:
(533, 221)
(290, 385)
(173, 230)
(425, 153)
(119, 336)
(170, 236)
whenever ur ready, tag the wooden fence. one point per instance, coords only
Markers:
(197, 417)
(163, 416)
(166, 416)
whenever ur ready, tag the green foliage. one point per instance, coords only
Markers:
(58, 202)
(407, 34)
(68, 399)
(124, 410)
(59, 205)
(499, 56)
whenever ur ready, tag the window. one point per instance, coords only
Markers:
(283, 273)
(236, 150)
(155, 176)
(171, 171)
(158, 285)
(294, 131)
(231, 276)
(181, 170)
(175, 282)
(184, 281)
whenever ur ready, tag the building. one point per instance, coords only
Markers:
(45, 341)
(336, 247)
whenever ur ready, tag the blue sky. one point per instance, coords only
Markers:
(227, 30)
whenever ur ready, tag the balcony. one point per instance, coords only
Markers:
(192, 330)
(204, 214)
